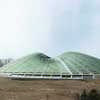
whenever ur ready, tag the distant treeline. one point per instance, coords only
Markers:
(5, 61)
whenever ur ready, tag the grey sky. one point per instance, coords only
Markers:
(49, 26)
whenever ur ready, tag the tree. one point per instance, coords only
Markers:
(1, 63)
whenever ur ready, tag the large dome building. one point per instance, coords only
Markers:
(69, 65)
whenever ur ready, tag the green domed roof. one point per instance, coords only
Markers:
(38, 62)
(81, 63)
(67, 63)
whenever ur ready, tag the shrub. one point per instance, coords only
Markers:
(84, 95)
(92, 95)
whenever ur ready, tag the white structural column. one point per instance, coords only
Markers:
(62, 62)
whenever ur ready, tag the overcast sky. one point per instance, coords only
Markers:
(49, 26)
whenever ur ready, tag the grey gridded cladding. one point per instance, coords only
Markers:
(71, 63)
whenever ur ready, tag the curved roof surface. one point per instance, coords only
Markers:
(67, 63)
(37, 62)
(81, 63)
